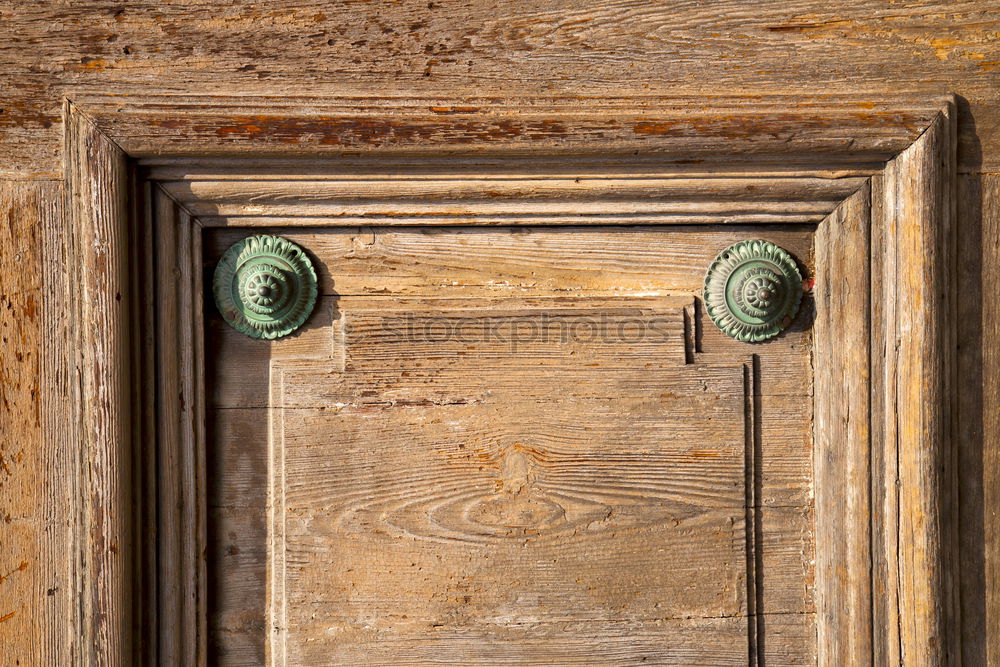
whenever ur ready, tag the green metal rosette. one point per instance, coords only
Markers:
(265, 286)
(753, 290)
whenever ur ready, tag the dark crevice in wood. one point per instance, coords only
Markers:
(758, 528)
(689, 335)
(699, 321)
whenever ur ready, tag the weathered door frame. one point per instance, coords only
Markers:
(884, 329)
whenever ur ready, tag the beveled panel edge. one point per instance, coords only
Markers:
(788, 128)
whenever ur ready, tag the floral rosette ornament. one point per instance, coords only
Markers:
(265, 286)
(753, 290)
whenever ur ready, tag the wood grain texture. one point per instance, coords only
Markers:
(842, 433)
(884, 473)
(924, 536)
(644, 331)
(388, 263)
(475, 183)
(913, 353)
(315, 47)
(979, 427)
(677, 126)
(238, 469)
(61, 394)
(237, 558)
(780, 370)
(22, 208)
(936, 200)
(913, 51)
(35, 592)
(180, 483)
(536, 260)
(223, 174)
(97, 183)
(701, 642)
(515, 495)
(513, 191)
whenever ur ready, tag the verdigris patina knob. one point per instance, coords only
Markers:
(265, 286)
(753, 290)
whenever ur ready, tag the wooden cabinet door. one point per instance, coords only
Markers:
(510, 446)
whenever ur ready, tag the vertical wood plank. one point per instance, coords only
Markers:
(170, 596)
(842, 456)
(35, 598)
(180, 497)
(144, 425)
(199, 484)
(979, 417)
(97, 180)
(923, 334)
(991, 411)
(884, 473)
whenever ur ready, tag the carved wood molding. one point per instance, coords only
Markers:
(876, 177)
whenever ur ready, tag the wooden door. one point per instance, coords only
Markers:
(102, 455)
(510, 445)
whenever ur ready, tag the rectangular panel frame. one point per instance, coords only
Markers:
(885, 326)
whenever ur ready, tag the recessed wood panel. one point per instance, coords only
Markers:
(393, 427)
(509, 505)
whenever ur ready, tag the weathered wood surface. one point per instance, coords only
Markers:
(237, 556)
(580, 472)
(533, 267)
(491, 263)
(914, 447)
(581, 125)
(644, 332)
(465, 197)
(914, 51)
(593, 261)
(565, 426)
(180, 477)
(923, 531)
(518, 189)
(35, 591)
(329, 197)
(979, 416)
(341, 355)
(238, 468)
(97, 425)
(842, 433)
(811, 48)
(925, 441)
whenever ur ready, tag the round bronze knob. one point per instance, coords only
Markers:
(265, 286)
(753, 290)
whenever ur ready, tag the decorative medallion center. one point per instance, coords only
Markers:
(265, 286)
(753, 290)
